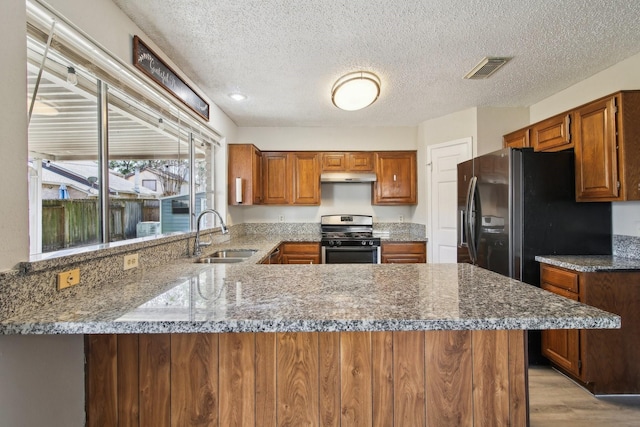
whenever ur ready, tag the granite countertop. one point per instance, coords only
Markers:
(591, 263)
(184, 296)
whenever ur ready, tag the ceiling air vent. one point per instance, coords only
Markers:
(486, 67)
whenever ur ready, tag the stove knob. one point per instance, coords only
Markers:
(338, 242)
(370, 242)
(364, 242)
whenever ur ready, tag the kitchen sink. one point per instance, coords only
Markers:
(227, 256)
(216, 260)
(233, 253)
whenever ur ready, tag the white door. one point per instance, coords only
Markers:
(442, 177)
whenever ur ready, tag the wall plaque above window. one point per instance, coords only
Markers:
(149, 63)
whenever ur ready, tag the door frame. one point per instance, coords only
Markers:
(468, 141)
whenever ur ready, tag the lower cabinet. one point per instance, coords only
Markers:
(403, 252)
(300, 253)
(604, 361)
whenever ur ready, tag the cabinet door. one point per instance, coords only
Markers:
(562, 346)
(596, 151)
(552, 134)
(300, 253)
(276, 172)
(306, 178)
(517, 139)
(257, 176)
(360, 161)
(403, 252)
(397, 178)
(334, 162)
(245, 162)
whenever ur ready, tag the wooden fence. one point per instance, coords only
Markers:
(75, 222)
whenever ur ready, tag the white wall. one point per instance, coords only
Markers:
(494, 122)
(336, 198)
(14, 227)
(623, 75)
(485, 125)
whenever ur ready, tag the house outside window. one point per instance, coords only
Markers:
(150, 143)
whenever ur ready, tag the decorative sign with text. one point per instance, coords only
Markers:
(149, 63)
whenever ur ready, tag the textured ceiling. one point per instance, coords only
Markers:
(285, 55)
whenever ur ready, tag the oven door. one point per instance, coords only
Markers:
(351, 255)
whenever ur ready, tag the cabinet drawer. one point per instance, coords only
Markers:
(403, 248)
(559, 278)
(552, 134)
(301, 248)
(559, 291)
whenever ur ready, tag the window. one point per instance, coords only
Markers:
(151, 184)
(157, 157)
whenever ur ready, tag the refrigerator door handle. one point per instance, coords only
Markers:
(469, 225)
(462, 238)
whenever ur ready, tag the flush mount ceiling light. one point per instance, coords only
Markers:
(237, 96)
(355, 91)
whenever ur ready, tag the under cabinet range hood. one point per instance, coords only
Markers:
(348, 177)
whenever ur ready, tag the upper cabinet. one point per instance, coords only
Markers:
(245, 162)
(605, 136)
(552, 134)
(517, 139)
(357, 161)
(276, 175)
(306, 178)
(396, 178)
(607, 147)
(291, 178)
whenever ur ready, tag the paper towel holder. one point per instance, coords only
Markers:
(239, 190)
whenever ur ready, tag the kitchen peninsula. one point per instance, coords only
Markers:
(249, 344)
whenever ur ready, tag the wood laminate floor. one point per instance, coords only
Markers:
(555, 400)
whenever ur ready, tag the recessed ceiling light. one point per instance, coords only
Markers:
(237, 96)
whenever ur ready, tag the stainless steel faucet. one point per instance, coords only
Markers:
(223, 229)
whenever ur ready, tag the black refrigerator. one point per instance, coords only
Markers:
(514, 204)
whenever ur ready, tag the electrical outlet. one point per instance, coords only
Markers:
(281, 218)
(401, 218)
(68, 278)
(130, 261)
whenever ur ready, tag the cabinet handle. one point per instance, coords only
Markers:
(394, 178)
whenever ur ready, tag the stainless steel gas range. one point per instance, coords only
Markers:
(348, 239)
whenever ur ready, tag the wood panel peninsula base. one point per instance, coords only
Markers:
(400, 378)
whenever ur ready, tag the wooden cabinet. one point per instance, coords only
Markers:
(396, 178)
(561, 346)
(276, 172)
(300, 253)
(357, 161)
(607, 147)
(306, 178)
(291, 178)
(604, 361)
(517, 139)
(403, 252)
(552, 134)
(245, 162)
